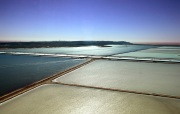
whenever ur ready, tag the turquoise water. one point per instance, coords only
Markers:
(19, 71)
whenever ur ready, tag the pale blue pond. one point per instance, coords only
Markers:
(160, 52)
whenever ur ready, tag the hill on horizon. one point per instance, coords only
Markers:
(60, 44)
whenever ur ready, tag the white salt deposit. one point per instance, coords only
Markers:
(59, 99)
(159, 78)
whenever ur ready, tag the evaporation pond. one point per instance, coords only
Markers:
(19, 71)
(159, 78)
(160, 52)
(60, 99)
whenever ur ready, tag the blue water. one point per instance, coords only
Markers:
(19, 71)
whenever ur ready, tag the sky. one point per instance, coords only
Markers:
(87, 20)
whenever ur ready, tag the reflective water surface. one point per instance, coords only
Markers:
(19, 71)
(59, 99)
(161, 52)
(159, 78)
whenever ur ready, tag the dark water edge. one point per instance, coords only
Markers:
(19, 71)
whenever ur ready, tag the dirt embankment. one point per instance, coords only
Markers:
(47, 80)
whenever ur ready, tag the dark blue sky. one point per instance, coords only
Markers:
(122, 20)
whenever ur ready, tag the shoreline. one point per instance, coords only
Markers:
(47, 80)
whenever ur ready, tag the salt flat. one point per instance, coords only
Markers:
(60, 99)
(160, 52)
(158, 78)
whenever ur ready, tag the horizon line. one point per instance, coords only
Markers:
(159, 43)
(147, 42)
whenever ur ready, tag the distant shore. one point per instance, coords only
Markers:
(60, 44)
